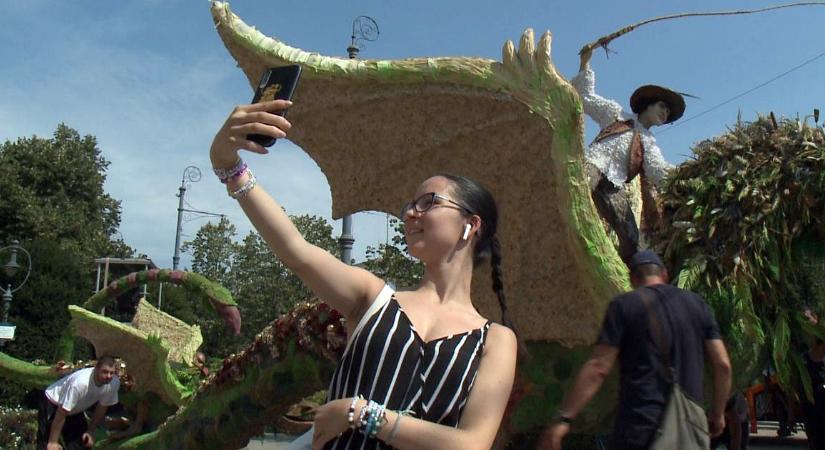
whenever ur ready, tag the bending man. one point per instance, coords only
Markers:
(63, 404)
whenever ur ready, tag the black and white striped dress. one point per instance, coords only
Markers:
(388, 362)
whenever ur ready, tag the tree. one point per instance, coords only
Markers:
(392, 262)
(213, 255)
(53, 190)
(214, 250)
(53, 201)
(258, 276)
(39, 309)
(263, 287)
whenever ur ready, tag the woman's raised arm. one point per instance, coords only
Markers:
(346, 288)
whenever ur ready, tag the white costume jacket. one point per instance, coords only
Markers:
(611, 156)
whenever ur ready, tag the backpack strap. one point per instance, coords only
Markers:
(656, 330)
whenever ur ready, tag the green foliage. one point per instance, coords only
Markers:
(59, 278)
(53, 190)
(174, 300)
(260, 283)
(18, 428)
(213, 249)
(781, 346)
(39, 309)
(749, 235)
(262, 286)
(392, 262)
(54, 202)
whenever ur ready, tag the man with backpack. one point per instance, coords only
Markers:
(661, 336)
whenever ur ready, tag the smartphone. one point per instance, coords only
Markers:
(277, 83)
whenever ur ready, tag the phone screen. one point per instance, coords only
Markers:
(277, 83)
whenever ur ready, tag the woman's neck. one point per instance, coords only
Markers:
(448, 281)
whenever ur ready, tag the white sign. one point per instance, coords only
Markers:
(7, 331)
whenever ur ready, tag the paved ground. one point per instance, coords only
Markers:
(270, 442)
(764, 439)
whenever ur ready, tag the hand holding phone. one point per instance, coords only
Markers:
(277, 83)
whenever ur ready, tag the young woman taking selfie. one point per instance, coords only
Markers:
(422, 369)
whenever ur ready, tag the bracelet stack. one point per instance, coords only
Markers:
(371, 418)
(243, 190)
(232, 173)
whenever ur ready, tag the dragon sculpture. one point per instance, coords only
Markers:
(425, 116)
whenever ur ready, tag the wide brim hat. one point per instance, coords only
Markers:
(650, 93)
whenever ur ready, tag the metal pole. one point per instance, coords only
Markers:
(6, 306)
(346, 240)
(191, 174)
(145, 285)
(6, 303)
(358, 32)
(105, 283)
(10, 269)
(176, 258)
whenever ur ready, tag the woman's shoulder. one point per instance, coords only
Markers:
(500, 338)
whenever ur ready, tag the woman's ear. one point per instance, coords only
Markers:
(466, 235)
(474, 226)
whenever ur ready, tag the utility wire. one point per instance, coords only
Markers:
(758, 86)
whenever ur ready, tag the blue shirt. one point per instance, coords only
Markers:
(643, 389)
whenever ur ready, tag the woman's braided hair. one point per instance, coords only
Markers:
(480, 201)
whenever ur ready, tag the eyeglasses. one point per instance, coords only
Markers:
(426, 203)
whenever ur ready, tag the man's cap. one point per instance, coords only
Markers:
(650, 94)
(644, 257)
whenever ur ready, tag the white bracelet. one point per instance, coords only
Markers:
(244, 190)
(394, 430)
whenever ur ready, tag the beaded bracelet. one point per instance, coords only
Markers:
(351, 412)
(244, 190)
(377, 420)
(372, 423)
(394, 429)
(362, 418)
(371, 419)
(236, 171)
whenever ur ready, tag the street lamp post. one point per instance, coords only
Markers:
(191, 174)
(10, 270)
(364, 28)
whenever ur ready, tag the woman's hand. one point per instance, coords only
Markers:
(257, 118)
(331, 420)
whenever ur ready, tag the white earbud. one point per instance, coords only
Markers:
(467, 229)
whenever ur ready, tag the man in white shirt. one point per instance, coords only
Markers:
(63, 405)
(624, 148)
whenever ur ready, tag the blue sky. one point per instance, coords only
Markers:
(152, 80)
